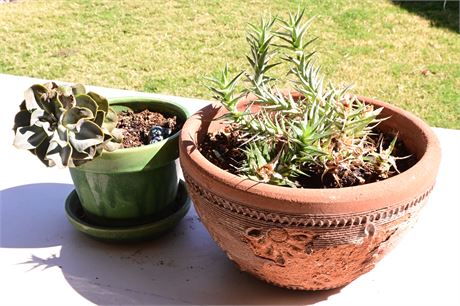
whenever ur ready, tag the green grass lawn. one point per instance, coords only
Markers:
(169, 46)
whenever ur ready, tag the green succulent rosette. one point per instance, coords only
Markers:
(65, 125)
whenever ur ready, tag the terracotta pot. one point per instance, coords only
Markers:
(309, 239)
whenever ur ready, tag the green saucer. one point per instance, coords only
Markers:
(145, 231)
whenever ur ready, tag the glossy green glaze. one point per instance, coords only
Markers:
(153, 228)
(134, 185)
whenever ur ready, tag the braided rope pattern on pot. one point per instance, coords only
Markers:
(324, 221)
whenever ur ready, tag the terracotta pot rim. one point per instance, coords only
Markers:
(331, 200)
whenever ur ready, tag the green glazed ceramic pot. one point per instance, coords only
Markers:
(134, 185)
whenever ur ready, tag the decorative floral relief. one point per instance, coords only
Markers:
(279, 244)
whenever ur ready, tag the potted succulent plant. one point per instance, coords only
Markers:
(121, 156)
(305, 188)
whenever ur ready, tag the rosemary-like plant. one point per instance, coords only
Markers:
(314, 129)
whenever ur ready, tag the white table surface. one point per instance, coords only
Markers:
(44, 261)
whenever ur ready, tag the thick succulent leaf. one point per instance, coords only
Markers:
(64, 90)
(58, 155)
(63, 134)
(58, 107)
(36, 115)
(50, 86)
(22, 106)
(41, 150)
(102, 103)
(78, 89)
(117, 134)
(111, 120)
(50, 104)
(21, 119)
(45, 125)
(60, 137)
(29, 137)
(87, 134)
(83, 144)
(87, 129)
(71, 117)
(93, 151)
(34, 96)
(107, 137)
(111, 146)
(67, 101)
(60, 124)
(84, 155)
(77, 162)
(53, 105)
(86, 102)
(99, 119)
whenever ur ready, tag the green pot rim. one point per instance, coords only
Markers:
(140, 157)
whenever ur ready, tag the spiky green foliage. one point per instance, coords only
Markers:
(314, 128)
(260, 39)
(64, 125)
(224, 89)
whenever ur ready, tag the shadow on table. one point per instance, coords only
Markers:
(182, 267)
(31, 214)
(439, 15)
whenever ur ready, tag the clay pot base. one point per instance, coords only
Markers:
(146, 231)
(302, 252)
